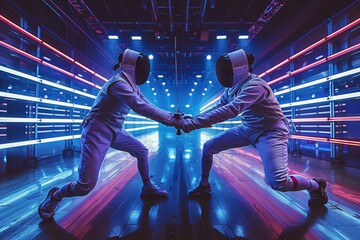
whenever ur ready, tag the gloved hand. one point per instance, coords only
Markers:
(175, 121)
(188, 125)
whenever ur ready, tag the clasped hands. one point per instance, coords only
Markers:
(184, 122)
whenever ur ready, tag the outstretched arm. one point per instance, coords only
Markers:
(140, 105)
(250, 94)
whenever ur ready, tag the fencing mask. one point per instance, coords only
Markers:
(134, 65)
(230, 67)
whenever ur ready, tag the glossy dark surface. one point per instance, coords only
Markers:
(241, 205)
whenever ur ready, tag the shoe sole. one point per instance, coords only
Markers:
(322, 184)
(39, 211)
(206, 192)
(151, 195)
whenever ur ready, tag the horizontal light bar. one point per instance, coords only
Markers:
(113, 37)
(37, 141)
(14, 49)
(329, 140)
(314, 45)
(45, 82)
(47, 64)
(323, 99)
(202, 109)
(243, 37)
(312, 83)
(336, 76)
(136, 116)
(317, 100)
(344, 96)
(38, 120)
(20, 97)
(43, 100)
(141, 122)
(321, 80)
(18, 144)
(335, 55)
(58, 52)
(136, 38)
(220, 128)
(231, 122)
(140, 128)
(55, 139)
(13, 25)
(23, 31)
(221, 37)
(85, 68)
(326, 119)
(53, 102)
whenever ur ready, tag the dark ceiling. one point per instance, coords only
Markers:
(271, 24)
(195, 23)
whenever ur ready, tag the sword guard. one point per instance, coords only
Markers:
(178, 116)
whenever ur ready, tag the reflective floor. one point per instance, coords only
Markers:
(241, 205)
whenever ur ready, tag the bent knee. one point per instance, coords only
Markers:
(140, 154)
(283, 186)
(83, 189)
(208, 145)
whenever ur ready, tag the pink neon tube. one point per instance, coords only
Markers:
(13, 25)
(314, 45)
(329, 119)
(46, 64)
(330, 140)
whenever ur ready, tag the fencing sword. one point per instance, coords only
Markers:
(177, 114)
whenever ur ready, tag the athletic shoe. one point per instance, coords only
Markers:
(47, 207)
(200, 190)
(319, 196)
(153, 191)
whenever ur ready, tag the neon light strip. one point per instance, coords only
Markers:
(220, 128)
(14, 49)
(136, 116)
(58, 69)
(140, 128)
(326, 119)
(140, 122)
(47, 64)
(323, 99)
(55, 139)
(37, 141)
(321, 80)
(355, 47)
(60, 120)
(83, 67)
(231, 122)
(330, 140)
(316, 139)
(312, 83)
(35, 99)
(208, 104)
(340, 53)
(314, 45)
(38, 120)
(23, 31)
(58, 52)
(43, 100)
(13, 25)
(45, 82)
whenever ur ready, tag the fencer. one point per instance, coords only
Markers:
(263, 125)
(103, 128)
